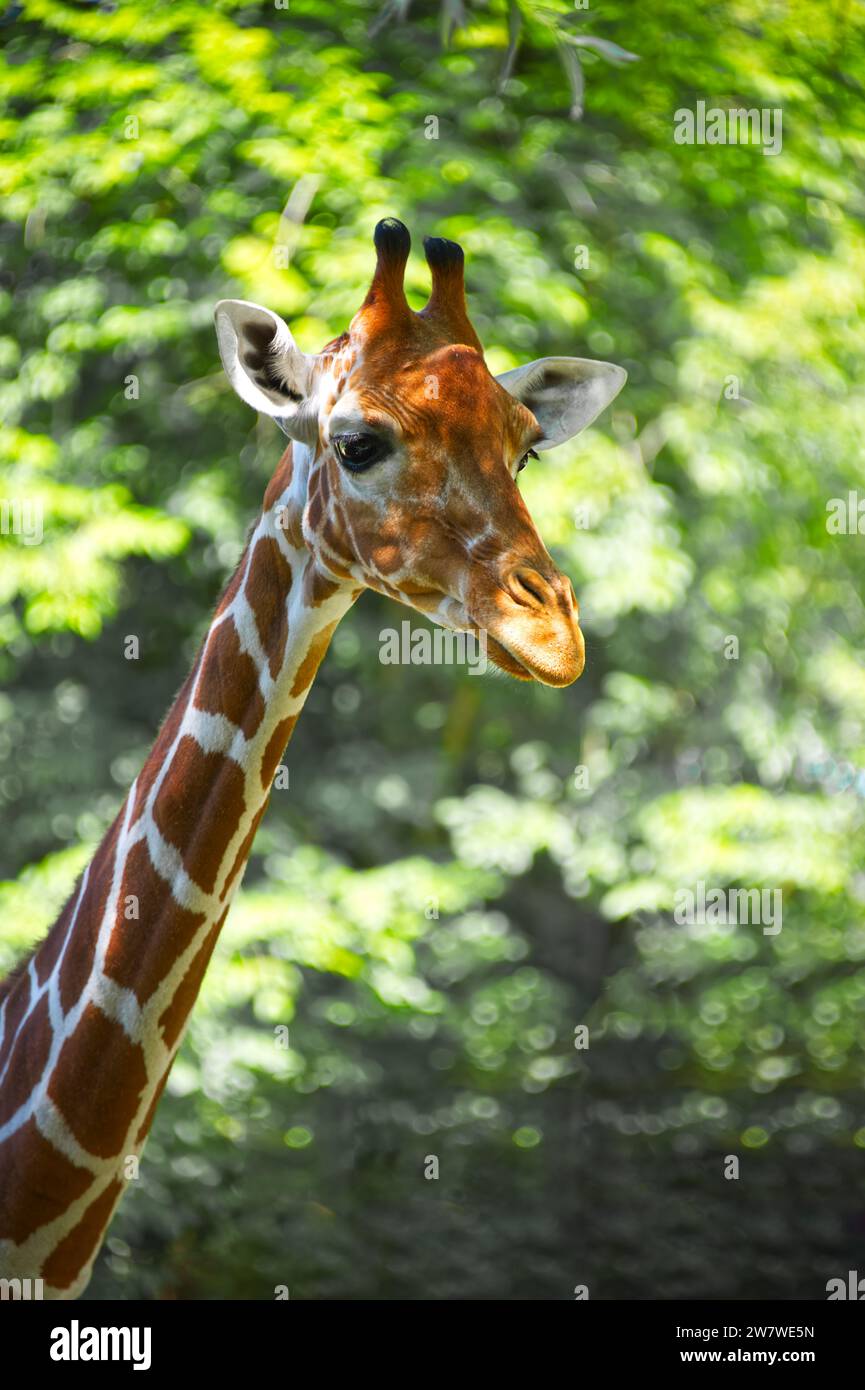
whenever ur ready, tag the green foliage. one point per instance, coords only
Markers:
(158, 157)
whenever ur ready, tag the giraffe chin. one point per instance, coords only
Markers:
(513, 665)
(506, 661)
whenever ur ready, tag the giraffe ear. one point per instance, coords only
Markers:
(266, 367)
(565, 394)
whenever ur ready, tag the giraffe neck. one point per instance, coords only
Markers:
(90, 1029)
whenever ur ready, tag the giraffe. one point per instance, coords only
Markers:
(399, 476)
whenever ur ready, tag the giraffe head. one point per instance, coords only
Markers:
(408, 475)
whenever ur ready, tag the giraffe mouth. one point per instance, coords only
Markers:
(506, 661)
(541, 669)
(553, 661)
(549, 650)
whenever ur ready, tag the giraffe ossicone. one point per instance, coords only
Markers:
(400, 477)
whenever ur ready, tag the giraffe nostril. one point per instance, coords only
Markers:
(529, 587)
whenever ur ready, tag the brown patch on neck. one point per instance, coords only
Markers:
(246, 844)
(280, 480)
(317, 586)
(27, 1063)
(267, 588)
(313, 659)
(81, 951)
(98, 1083)
(144, 1128)
(198, 808)
(275, 746)
(288, 516)
(290, 522)
(168, 733)
(63, 1266)
(38, 1184)
(228, 683)
(174, 1017)
(142, 950)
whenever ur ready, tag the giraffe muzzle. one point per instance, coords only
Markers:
(532, 626)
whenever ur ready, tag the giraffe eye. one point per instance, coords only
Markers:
(358, 451)
(524, 460)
